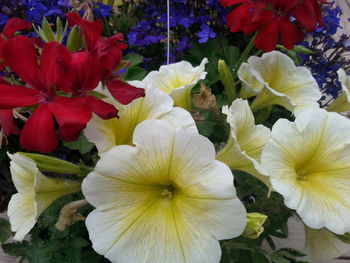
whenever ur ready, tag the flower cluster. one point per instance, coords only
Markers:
(275, 20)
(189, 20)
(328, 52)
(57, 84)
(35, 10)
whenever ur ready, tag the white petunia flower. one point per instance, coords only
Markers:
(155, 105)
(342, 102)
(308, 162)
(177, 79)
(323, 246)
(164, 200)
(283, 83)
(247, 140)
(36, 192)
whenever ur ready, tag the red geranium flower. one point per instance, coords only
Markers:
(109, 53)
(274, 20)
(43, 80)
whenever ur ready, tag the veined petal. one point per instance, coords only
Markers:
(323, 246)
(35, 193)
(39, 133)
(250, 85)
(308, 163)
(285, 84)
(21, 212)
(247, 140)
(177, 79)
(164, 200)
(155, 105)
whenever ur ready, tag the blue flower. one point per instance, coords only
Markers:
(205, 33)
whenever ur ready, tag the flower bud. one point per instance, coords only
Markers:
(227, 80)
(254, 226)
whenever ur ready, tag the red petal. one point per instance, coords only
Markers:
(17, 96)
(92, 30)
(2, 61)
(20, 55)
(7, 123)
(239, 17)
(70, 110)
(306, 16)
(267, 38)
(110, 55)
(54, 65)
(85, 72)
(39, 133)
(290, 33)
(231, 2)
(104, 110)
(123, 92)
(15, 24)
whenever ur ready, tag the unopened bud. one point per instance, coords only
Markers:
(227, 80)
(254, 226)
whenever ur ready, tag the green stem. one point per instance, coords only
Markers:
(243, 57)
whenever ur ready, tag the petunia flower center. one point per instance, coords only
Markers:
(168, 191)
(301, 175)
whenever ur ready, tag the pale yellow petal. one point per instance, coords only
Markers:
(22, 214)
(285, 84)
(246, 142)
(323, 246)
(22, 170)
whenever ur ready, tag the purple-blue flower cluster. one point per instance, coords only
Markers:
(329, 52)
(35, 10)
(190, 20)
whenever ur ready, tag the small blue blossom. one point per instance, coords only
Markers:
(205, 33)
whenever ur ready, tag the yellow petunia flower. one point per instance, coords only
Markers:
(36, 192)
(308, 162)
(177, 79)
(164, 200)
(247, 140)
(155, 105)
(275, 80)
(342, 102)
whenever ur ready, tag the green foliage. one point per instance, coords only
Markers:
(81, 144)
(5, 230)
(49, 245)
(134, 71)
(214, 50)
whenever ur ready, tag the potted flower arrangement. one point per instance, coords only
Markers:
(173, 131)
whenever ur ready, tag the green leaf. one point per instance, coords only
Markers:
(82, 145)
(134, 59)
(74, 40)
(135, 73)
(47, 30)
(17, 249)
(5, 230)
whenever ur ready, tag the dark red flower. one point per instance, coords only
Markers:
(109, 53)
(43, 79)
(273, 20)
